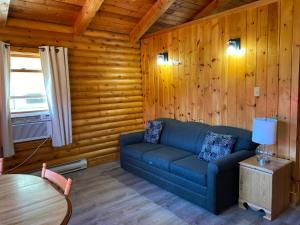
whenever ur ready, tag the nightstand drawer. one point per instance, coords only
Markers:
(256, 187)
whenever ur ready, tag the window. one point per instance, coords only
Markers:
(27, 89)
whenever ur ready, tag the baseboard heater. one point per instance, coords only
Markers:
(66, 167)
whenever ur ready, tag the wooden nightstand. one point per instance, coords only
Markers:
(265, 187)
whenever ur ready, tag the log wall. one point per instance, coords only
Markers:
(106, 92)
(203, 83)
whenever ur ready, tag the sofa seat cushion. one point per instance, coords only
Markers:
(191, 168)
(137, 150)
(162, 157)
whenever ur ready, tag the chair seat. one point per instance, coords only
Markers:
(162, 157)
(137, 150)
(191, 168)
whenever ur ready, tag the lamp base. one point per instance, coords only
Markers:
(262, 159)
(263, 156)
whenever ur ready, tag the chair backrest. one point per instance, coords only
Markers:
(59, 180)
(1, 165)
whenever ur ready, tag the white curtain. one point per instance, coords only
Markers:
(56, 74)
(6, 137)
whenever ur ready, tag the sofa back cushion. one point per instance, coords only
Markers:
(244, 140)
(183, 135)
(190, 135)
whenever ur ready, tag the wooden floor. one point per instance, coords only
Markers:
(109, 195)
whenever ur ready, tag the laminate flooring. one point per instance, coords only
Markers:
(109, 195)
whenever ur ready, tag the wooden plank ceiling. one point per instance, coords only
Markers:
(183, 11)
(120, 16)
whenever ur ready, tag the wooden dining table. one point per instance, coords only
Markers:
(32, 200)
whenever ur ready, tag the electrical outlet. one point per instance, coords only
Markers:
(256, 91)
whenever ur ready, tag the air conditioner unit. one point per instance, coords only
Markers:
(31, 127)
(66, 168)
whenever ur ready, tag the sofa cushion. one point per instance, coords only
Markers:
(153, 131)
(191, 169)
(137, 150)
(244, 141)
(162, 157)
(216, 146)
(183, 135)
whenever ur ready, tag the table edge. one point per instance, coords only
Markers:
(69, 212)
(69, 204)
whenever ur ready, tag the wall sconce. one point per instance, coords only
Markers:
(162, 58)
(234, 47)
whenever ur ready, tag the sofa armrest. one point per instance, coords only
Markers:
(131, 138)
(229, 162)
(223, 181)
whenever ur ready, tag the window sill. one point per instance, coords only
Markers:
(29, 113)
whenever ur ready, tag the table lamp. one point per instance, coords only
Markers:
(264, 132)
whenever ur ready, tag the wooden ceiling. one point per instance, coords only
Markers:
(183, 11)
(130, 17)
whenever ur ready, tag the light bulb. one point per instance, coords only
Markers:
(231, 50)
(160, 61)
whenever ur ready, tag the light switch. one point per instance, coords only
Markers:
(256, 91)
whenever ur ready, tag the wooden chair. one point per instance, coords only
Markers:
(1, 165)
(57, 179)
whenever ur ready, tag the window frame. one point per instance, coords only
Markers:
(24, 70)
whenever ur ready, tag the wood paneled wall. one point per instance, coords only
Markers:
(203, 83)
(106, 95)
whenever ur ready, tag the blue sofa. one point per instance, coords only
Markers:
(173, 164)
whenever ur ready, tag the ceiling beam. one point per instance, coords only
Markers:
(208, 8)
(86, 15)
(4, 7)
(159, 8)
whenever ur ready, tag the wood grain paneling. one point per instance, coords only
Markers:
(106, 95)
(119, 16)
(201, 67)
(47, 11)
(210, 86)
(86, 15)
(186, 10)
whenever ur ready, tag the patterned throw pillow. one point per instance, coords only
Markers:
(216, 146)
(153, 130)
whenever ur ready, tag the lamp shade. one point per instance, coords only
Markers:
(264, 131)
